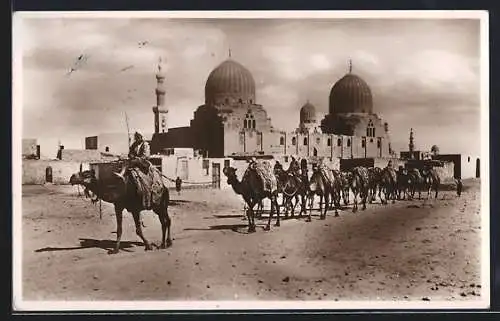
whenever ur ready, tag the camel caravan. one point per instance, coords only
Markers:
(296, 186)
(135, 185)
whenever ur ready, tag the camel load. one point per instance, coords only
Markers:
(265, 171)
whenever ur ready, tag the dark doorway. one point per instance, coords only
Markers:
(215, 175)
(315, 152)
(478, 168)
(48, 174)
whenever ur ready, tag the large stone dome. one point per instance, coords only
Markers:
(308, 113)
(230, 83)
(351, 94)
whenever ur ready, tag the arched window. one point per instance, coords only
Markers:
(294, 141)
(318, 140)
(227, 100)
(339, 142)
(363, 143)
(282, 140)
(107, 149)
(305, 141)
(329, 142)
(370, 129)
(379, 143)
(349, 143)
(249, 121)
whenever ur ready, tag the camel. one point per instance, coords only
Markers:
(374, 174)
(403, 183)
(415, 182)
(126, 195)
(388, 184)
(345, 180)
(337, 188)
(431, 181)
(319, 185)
(359, 186)
(291, 184)
(251, 188)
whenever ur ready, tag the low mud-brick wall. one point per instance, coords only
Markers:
(38, 172)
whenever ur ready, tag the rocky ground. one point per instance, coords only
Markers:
(411, 250)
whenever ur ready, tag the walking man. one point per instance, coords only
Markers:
(459, 187)
(178, 183)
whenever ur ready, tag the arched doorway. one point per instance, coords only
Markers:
(48, 174)
(315, 152)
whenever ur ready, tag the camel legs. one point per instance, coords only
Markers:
(250, 216)
(355, 201)
(138, 229)
(119, 223)
(165, 228)
(311, 201)
(364, 196)
(274, 207)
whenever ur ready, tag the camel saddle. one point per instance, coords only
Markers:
(149, 186)
(266, 173)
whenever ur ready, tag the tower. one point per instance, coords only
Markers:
(411, 145)
(160, 110)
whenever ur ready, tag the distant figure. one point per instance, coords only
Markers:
(278, 168)
(389, 165)
(459, 187)
(178, 183)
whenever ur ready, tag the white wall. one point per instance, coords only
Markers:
(468, 166)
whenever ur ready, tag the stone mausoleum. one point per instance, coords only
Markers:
(231, 122)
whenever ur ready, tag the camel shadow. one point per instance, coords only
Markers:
(107, 245)
(177, 202)
(223, 227)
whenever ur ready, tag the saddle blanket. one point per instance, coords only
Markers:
(149, 185)
(266, 173)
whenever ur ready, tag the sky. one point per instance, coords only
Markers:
(424, 73)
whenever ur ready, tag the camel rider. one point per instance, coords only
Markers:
(138, 154)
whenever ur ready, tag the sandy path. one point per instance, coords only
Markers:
(409, 250)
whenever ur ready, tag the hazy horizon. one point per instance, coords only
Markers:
(424, 74)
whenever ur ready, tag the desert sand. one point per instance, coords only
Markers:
(412, 250)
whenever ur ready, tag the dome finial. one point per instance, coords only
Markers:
(229, 52)
(350, 66)
(159, 64)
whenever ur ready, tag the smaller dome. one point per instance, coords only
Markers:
(308, 113)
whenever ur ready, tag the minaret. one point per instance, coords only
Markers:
(411, 146)
(160, 110)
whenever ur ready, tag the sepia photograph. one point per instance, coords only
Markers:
(250, 160)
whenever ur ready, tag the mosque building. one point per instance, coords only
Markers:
(231, 122)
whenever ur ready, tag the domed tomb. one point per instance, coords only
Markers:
(351, 94)
(230, 83)
(308, 113)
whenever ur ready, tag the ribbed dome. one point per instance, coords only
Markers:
(230, 83)
(308, 113)
(351, 94)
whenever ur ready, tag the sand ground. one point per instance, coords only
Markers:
(411, 250)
